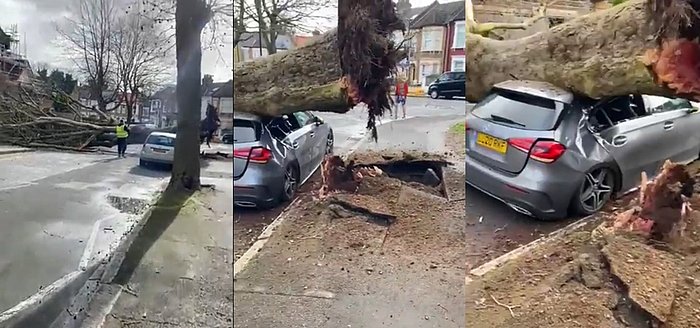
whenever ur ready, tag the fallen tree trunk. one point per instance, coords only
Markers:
(335, 72)
(618, 51)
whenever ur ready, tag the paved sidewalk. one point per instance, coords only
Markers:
(185, 277)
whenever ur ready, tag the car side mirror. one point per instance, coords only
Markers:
(317, 120)
(692, 110)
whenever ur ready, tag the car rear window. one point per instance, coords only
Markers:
(246, 131)
(519, 110)
(161, 141)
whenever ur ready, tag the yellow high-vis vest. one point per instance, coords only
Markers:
(121, 132)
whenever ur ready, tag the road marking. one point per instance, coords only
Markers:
(241, 263)
(90, 245)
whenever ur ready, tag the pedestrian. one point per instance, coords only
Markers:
(122, 134)
(401, 94)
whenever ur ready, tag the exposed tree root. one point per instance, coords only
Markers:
(337, 71)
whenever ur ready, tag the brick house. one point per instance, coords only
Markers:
(432, 28)
(510, 11)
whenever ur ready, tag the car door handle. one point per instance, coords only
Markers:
(295, 144)
(668, 125)
(312, 134)
(619, 141)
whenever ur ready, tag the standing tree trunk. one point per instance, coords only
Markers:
(191, 16)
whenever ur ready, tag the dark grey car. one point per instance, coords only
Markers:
(547, 153)
(272, 157)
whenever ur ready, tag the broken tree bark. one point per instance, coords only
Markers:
(337, 71)
(636, 47)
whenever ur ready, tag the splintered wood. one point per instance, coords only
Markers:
(337, 176)
(663, 207)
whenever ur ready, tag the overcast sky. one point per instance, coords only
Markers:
(37, 19)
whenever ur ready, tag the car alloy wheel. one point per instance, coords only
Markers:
(329, 143)
(290, 183)
(597, 189)
(434, 94)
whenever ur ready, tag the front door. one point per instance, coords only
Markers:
(634, 141)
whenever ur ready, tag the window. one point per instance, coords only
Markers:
(245, 131)
(460, 37)
(431, 40)
(520, 110)
(457, 64)
(303, 118)
(161, 141)
(656, 104)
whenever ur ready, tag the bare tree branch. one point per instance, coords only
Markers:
(87, 40)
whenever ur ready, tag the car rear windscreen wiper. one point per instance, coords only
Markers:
(502, 119)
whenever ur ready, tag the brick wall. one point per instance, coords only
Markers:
(516, 11)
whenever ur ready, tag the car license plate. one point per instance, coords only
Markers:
(158, 150)
(493, 143)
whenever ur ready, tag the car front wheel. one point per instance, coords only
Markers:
(434, 94)
(595, 191)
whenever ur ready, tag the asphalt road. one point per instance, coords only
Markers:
(63, 210)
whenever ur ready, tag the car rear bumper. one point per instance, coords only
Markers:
(255, 190)
(546, 198)
(157, 159)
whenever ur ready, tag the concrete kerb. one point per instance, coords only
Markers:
(524, 249)
(17, 150)
(42, 308)
(64, 303)
(105, 273)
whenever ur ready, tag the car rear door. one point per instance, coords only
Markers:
(635, 142)
(504, 116)
(246, 135)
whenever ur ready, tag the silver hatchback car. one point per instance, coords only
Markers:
(159, 148)
(548, 153)
(272, 157)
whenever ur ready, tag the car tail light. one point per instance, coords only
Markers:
(545, 151)
(260, 155)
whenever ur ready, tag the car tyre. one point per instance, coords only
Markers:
(596, 189)
(329, 143)
(143, 163)
(290, 184)
(434, 94)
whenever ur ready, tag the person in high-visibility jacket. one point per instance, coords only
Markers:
(122, 135)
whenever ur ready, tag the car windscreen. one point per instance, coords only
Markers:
(161, 141)
(519, 110)
(246, 131)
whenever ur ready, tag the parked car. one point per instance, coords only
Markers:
(159, 148)
(548, 153)
(448, 85)
(272, 157)
(227, 136)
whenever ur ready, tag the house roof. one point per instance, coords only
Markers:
(439, 14)
(225, 91)
(252, 40)
(207, 91)
(164, 93)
